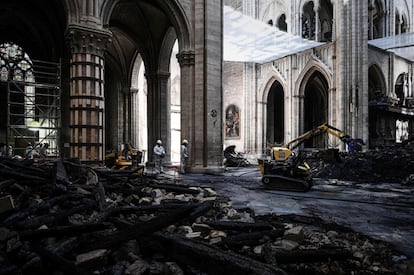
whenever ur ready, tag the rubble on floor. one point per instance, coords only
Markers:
(67, 218)
(393, 163)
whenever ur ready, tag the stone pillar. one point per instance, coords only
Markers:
(87, 136)
(134, 117)
(158, 111)
(163, 79)
(186, 59)
(126, 115)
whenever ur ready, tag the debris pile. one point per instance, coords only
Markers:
(65, 218)
(394, 163)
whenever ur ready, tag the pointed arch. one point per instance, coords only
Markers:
(175, 12)
(377, 86)
(313, 87)
(275, 81)
(313, 65)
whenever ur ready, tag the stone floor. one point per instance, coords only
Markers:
(384, 211)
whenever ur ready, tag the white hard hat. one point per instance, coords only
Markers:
(185, 141)
(159, 142)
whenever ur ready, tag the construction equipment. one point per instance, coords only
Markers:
(128, 159)
(286, 169)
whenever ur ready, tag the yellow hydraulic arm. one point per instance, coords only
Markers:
(323, 128)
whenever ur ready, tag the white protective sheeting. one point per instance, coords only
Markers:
(249, 40)
(402, 45)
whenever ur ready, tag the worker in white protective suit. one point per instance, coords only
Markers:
(159, 154)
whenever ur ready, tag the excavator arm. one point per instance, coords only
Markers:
(323, 128)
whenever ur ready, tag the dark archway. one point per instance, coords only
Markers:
(281, 23)
(377, 96)
(325, 20)
(145, 29)
(400, 88)
(275, 124)
(378, 19)
(316, 107)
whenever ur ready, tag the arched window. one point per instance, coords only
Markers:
(15, 64)
(397, 22)
(281, 23)
(308, 21)
(377, 20)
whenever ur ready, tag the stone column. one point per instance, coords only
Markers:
(87, 136)
(158, 111)
(163, 79)
(134, 117)
(126, 115)
(186, 59)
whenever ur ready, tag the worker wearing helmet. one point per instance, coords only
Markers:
(184, 156)
(159, 154)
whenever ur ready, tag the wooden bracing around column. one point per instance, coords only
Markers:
(87, 106)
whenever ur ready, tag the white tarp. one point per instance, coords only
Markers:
(402, 45)
(249, 40)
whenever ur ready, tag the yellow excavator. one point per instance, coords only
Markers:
(125, 160)
(287, 170)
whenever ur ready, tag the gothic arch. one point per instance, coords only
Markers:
(401, 20)
(282, 22)
(376, 82)
(378, 8)
(172, 9)
(271, 78)
(166, 50)
(312, 66)
(275, 114)
(307, 20)
(274, 11)
(400, 87)
(72, 10)
(314, 86)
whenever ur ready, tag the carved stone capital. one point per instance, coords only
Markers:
(87, 40)
(186, 58)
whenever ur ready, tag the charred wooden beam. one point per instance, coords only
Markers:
(200, 210)
(60, 231)
(141, 209)
(211, 259)
(250, 239)
(238, 226)
(10, 173)
(137, 230)
(53, 218)
(175, 188)
(24, 213)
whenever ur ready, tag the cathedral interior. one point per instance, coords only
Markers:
(89, 77)
(90, 88)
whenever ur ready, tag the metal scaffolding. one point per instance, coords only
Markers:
(34, 111)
